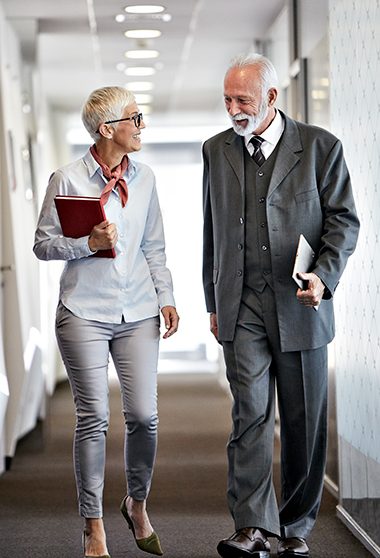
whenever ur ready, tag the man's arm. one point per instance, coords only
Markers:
(341, 224)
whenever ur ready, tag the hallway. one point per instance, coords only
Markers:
(187, 503)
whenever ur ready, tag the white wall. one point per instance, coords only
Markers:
(355, 117)
(20, 282)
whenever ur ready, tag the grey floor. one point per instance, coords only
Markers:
(187, 503)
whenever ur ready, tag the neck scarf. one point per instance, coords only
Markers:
(114, 176)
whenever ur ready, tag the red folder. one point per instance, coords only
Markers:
(78, 215)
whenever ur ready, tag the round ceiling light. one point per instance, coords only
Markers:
(144, 9)
(142, 34)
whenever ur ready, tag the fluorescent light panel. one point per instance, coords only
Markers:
(144, 9)
(139, 85)
(142, 33)
(140, 71)
(141, 54)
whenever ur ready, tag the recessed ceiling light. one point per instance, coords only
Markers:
(143, 98)
(140, 54)
(142, 34)
(139, 85)
(119, 18)
(140, 71)
(144, 9)
(120, 66)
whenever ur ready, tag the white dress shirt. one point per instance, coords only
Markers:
(271, 136)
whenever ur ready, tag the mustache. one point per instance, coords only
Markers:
(239, 117)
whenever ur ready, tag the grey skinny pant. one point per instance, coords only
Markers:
(85, 346)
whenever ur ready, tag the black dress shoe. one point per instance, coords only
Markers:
(245, 543)
(294, 546)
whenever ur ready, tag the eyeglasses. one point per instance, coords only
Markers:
(136, 119)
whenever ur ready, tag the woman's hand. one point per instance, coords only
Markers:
(102, 236)
(171, 320)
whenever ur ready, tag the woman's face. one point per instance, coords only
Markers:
(126, 135)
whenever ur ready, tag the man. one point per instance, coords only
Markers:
(266, 181)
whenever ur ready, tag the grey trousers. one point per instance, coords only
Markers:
(85, 347)
(255, 365)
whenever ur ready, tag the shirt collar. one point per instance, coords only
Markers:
(271, 134)
(94, 167)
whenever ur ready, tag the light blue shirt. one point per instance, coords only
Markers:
(136, 283)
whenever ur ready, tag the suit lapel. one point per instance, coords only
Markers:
(288, 154)
(235, 156)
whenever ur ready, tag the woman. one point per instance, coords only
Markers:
(111, 306)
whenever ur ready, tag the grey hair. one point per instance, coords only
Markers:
(107, 103)
(267, 70)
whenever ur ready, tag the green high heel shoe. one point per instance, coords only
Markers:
(150, 544)
(84, 549)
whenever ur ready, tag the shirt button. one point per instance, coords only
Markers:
(239, 273)
(261, 200)
(241, 220)
(264, 247)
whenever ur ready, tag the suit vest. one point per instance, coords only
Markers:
(257, 264)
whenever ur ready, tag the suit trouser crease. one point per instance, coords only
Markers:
(254, 364)
(85, 346)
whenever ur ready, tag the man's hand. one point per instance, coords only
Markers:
(102, 236)
(312, 296)
(171, 319)
(214, 325)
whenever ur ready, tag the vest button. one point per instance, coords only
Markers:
(241, 220)
(240, 246)
(261, 200)
(264, 247)
(262, 225)
(261, 173)
(239, 273)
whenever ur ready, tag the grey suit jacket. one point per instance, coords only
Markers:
(309, 193)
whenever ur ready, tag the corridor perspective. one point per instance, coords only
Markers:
(173, 58)
(187, 503)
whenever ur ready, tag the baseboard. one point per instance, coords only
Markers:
(356, 530)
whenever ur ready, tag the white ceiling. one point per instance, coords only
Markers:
(195, 47)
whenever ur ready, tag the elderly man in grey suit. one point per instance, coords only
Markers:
(266, 181)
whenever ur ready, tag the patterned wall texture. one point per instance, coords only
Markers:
(355, 118)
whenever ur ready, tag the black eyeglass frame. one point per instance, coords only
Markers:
(136, 119)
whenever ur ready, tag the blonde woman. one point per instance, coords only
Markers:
(111, 306)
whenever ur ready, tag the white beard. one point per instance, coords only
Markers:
(254, 122)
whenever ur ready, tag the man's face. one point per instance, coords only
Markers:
(245, 104)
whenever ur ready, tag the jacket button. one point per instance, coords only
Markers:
(261, 200)
(241, 220)
(264, 247)
(239, 273)
(240, 247)
(261, 173)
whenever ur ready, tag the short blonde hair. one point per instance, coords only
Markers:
(107, 103)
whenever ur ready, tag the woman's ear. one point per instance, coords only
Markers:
(105, 131)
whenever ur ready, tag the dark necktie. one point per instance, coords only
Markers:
(257, 155)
